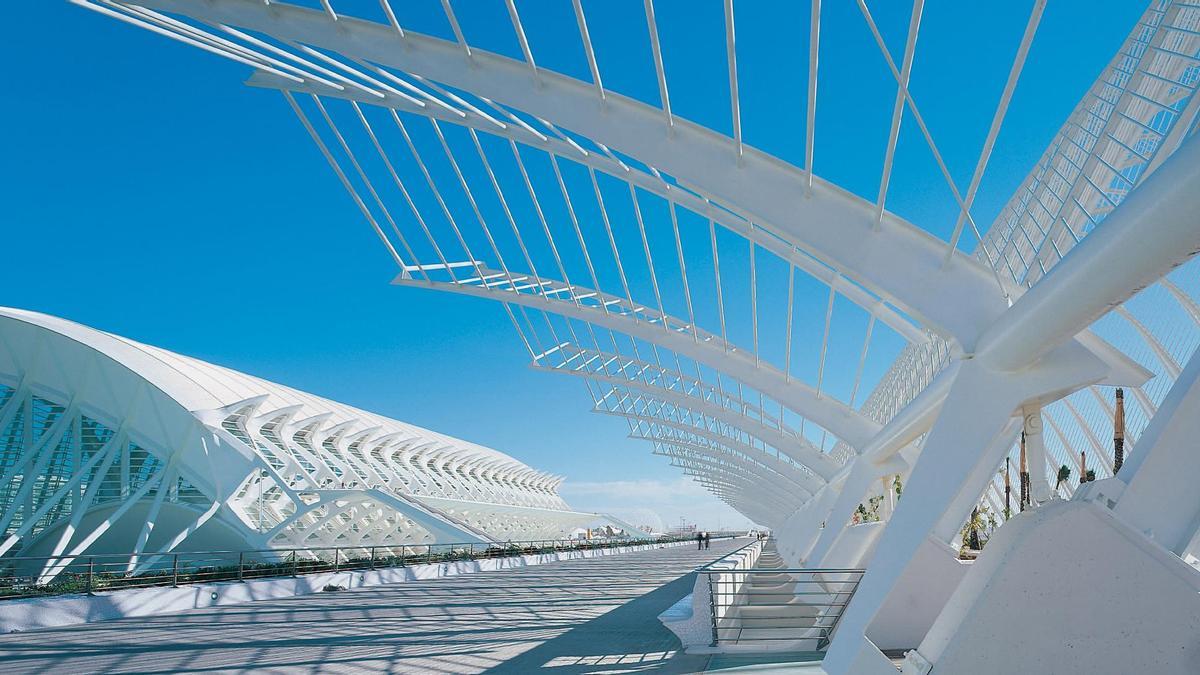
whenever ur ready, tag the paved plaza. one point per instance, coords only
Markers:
(581, 616)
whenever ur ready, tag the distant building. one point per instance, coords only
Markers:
(111, 446)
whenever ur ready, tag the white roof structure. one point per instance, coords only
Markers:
(101, 422)
(704, 288)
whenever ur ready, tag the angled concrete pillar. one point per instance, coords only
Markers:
(961, 452)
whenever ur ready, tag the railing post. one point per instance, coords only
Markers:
(403, 556)
(241, 565)
(336, 563)
(712, 609)
(91, 574)
(372, 557)
(429, 555)
(293, 562)
(175, 571)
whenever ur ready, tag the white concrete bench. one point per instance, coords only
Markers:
(690, 619)
(691, 624)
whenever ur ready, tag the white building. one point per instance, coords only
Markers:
(111, 446)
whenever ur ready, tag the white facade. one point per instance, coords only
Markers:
(111, 446)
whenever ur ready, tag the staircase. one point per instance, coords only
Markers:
(785, 610)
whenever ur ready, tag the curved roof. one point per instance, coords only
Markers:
(198, 385)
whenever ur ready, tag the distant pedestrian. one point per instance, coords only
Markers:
(707, 539)
(699, 540)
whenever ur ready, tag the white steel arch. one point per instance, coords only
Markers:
(995, 343)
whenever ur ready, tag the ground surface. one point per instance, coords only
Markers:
(581, 616)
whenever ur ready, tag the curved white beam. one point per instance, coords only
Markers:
(642, 180)
(896, 260)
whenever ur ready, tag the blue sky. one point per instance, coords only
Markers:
(149, 193)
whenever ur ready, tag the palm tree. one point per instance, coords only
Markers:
(977, 530)
(1083, 472)
(1119, 432)
(1025, 482)
(1064, 474)
(1007, 489)
(973, 539)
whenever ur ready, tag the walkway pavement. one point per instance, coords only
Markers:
(581, 616)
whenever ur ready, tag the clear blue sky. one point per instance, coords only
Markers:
(147, 192)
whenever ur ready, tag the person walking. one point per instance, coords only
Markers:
(699, 540)
(707, 539)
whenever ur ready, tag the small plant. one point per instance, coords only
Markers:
(1064, 474)
(977, 530)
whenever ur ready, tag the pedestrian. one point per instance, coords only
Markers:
(699, 540)
(707, 539)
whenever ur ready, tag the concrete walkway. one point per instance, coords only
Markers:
(581, 616)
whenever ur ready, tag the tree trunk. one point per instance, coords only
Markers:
(1024, 475)
(1119, 432)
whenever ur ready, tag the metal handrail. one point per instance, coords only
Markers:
(817, 570)
(804, 605)
(90, 572)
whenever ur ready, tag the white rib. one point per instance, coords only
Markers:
(754, 310)
(342, 177)
(458, 34)
(587, 47)
(520, 30)
(910, 48)
(862, 360)
(357, 73)
(787, 359)
(387, 9)
(184, 39)
(731, 57)
(825, 343)
(937, 155)
(1014, 74)
(814, 40)
(656, 49)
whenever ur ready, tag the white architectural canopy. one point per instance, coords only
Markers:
(112, 446)
(705, 289)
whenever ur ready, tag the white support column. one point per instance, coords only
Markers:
(889, 498)
(863, 474)
(1160, 499)
(1035, 446)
